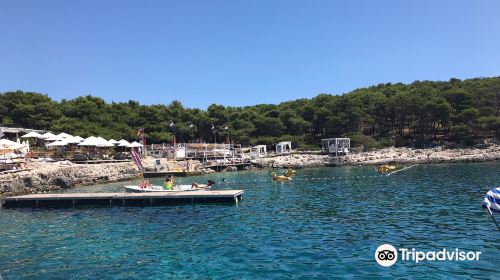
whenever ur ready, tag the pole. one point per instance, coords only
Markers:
(175, 152)
(493, 217)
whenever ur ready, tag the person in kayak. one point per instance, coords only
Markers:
(169, 183)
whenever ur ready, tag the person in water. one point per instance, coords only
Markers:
(169, 183)
(207, 186)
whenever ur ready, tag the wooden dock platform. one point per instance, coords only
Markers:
(222, 166)
(121, 199)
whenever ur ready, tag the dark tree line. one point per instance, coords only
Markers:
(420, 113)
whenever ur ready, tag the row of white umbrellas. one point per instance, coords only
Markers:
(64, 139)
(10, 145)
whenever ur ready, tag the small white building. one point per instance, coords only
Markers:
(258, 151)
(336, 146)
(284, 147)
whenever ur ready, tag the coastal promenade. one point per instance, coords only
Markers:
(121, 199)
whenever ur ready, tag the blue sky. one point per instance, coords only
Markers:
(240, 52)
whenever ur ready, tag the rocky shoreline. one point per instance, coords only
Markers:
(383, 156)
(45, 176)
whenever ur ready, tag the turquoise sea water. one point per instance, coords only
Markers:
(302, 229)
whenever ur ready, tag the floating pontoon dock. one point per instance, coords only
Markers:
(121, 199)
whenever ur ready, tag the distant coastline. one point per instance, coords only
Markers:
(44, 177)
(384, 156)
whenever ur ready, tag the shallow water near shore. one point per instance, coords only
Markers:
(307, 228)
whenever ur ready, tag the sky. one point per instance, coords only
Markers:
(239, 53)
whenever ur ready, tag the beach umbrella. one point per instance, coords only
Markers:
(134, 145)
(104, 143)
(90, 141)
(32, 135)
(58, 143)
(64, 135)
(492, 203)
(47, 135)
(17, 146)
(54, 138)
(5, 143)
(123, 143)
(73, 140)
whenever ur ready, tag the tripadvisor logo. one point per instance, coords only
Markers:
(387, 255)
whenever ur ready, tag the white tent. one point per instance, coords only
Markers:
(47, 135)
(32, 135)
(113, 141)
(134, 145)
(79, 138)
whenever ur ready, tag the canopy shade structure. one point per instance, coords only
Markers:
(104, 144)
(47, 135)
(96, 142)
(54, 138)
(73, 140)
(113, 141)
(17, 146)
(58, 143)
(123, 143)
(134, 145)
(79, 138)
(90, 141)
(64, 135)
(6, 143)
(32, 135)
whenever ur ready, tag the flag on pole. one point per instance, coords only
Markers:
(136, 158)
(140, 134)
(492, 200)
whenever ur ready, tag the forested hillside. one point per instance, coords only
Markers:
(420, 113)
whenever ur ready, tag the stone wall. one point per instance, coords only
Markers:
(49, 176)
